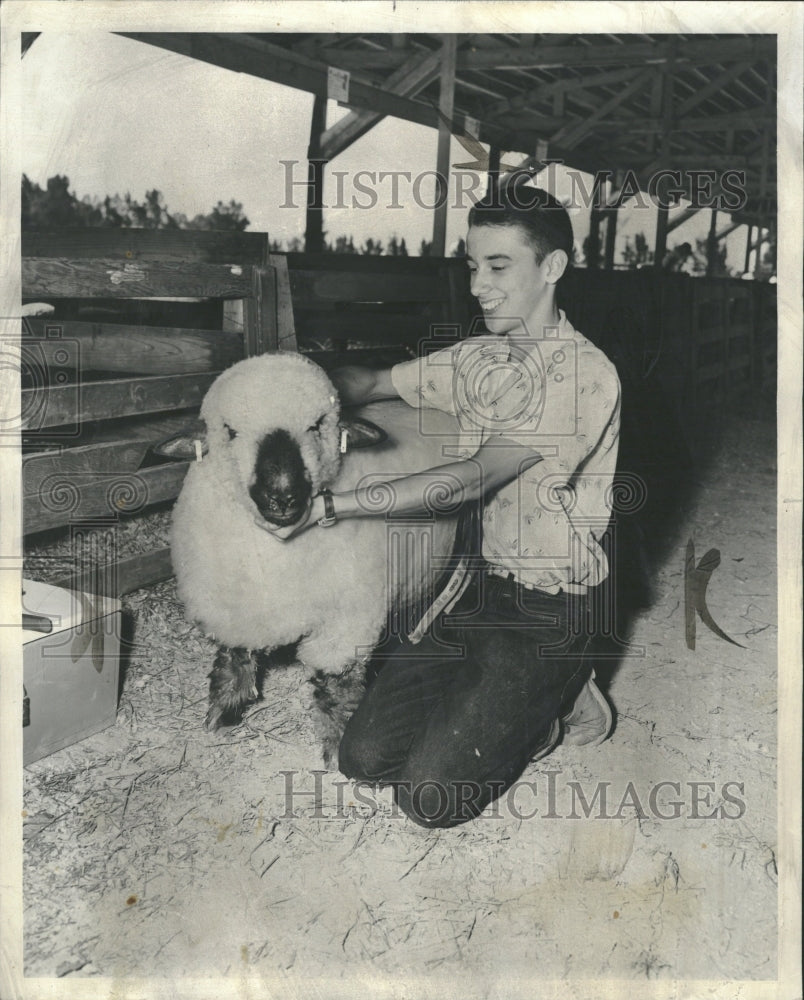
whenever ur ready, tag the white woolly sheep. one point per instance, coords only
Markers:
(276, 417)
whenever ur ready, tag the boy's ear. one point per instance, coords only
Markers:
(556, 264)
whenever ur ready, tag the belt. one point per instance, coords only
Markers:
(576, 589)
(464, 548)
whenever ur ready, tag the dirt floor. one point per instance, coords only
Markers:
(155, 849)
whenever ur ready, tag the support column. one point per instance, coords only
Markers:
(611, 227)
(748, 240)
(761, 237)
(711, 245)
(494, 170)
(445, 106)
(314, 229)
(660, 247)
(611, 238)
(595, 218)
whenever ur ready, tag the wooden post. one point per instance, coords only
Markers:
(611, 227)
(663, 211)
(611, 238)
(661, 235)
(314, 230)
(445, 104)
(761, 237)
(711, 245)
(748, 241)
(494, 170)
(595, 217)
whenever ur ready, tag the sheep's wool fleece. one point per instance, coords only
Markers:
(328, 587)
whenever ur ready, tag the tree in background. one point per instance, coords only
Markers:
(372, 248)
(638, 254)
(397, 248)
(56, 207)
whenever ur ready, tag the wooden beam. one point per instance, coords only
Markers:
(660, 247)
(494, 169)
(715, 86)
(61, 278)
(411, 78)
(78, 498)
(314, 228)
(141, 350)
(256, 57)
(124, 576)
(445, 105)
(728, 229)
(611, 238)
(148, 245)
(259, 315)
(558, 88)
(112, 457)
(348, 284)
(285, 321)
(703, 52)
(748, 248)
(69, 405)
(571, 134)
(747, 119)
(595, 218)
(711, 245)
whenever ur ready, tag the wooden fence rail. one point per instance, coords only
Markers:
(98, 394)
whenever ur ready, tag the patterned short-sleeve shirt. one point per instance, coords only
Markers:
(559, 395)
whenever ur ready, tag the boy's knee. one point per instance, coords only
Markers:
(360, 757)
(436, 803)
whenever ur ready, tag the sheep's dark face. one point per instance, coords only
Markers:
(281, 487)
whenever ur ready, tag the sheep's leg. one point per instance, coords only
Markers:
(232, 685)
(336, 697)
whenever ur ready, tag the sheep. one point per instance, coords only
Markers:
(273, 433)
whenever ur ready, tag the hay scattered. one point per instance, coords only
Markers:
(157, 849)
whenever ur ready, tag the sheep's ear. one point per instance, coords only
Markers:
(361, 433)
(187, 445)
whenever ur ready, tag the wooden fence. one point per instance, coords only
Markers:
(146, 320)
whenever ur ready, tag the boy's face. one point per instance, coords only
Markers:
(514, 291)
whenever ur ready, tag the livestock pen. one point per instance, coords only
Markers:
(163, 859)
(179, 852)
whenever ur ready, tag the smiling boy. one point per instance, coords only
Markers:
(538, 408)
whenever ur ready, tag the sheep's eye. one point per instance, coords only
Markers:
(318, 424)
(232, 432)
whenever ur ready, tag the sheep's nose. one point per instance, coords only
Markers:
(277, 507)
(280, 487)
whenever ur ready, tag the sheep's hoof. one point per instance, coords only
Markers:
(213, 719)
(232, 685)
(336, 696)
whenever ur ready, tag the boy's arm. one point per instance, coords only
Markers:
(442, 488)
(356, 384)
(439, 490)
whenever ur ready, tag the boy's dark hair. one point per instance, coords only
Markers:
(515, 202)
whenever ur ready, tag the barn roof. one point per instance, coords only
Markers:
(635, 103)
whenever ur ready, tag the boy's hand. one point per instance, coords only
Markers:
(314, 511)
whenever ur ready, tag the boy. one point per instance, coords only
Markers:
(538, 407)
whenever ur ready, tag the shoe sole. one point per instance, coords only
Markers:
(605, 708)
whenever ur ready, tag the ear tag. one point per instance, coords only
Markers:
(332, 400)
(199, 454)
(344, 440)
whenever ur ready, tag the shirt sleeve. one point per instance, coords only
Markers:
(468, 380)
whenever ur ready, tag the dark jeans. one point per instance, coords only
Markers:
(452, 722)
